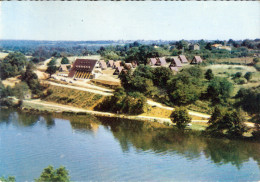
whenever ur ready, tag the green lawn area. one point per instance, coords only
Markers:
(228, 70)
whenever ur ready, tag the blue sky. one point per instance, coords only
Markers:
(129, 20)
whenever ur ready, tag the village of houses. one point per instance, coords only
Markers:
(85, 69)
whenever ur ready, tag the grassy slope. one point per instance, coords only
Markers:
(74, 97)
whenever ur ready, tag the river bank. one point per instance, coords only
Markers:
(37, 105)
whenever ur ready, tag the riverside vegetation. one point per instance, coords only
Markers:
(194, 87)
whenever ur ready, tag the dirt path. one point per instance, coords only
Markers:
(150, 102)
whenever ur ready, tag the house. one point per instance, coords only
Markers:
(161, 62)
(128, 66)
(194, 47)
(64, 67)
(152, 61)
(83, 69)
(176, 62)
(110, 63)
(102, 64)
(134, 64)
(196, 60)
(116, 64)
(118, 70)
(183, 59)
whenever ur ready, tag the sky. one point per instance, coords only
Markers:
(149, 20)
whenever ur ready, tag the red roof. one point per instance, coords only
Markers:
(183, 59)
(86, 65)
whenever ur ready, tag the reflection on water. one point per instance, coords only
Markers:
(145, 138)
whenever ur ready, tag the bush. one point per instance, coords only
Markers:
(227, 122)
(248, 76)
(209, 74)
(122, 102)
(219, 89)
(65, 60)
(181, 117)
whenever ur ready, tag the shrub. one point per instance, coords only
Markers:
(227, 122)
(248, 76)
(181, 117)
(209, 74)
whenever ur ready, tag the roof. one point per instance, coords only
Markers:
(134, 63)
(162, 61)
(174, 68)
(103, 64)
(183, 59)
(119, 69)
(111, 62)
(128, 65)
(117, 63)
(153, 61)
(216, 45)
(86, 65)
(197, 59)
(177, 61)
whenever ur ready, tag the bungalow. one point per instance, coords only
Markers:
(196, 60)
(102, 64)
(176, 62)
(118, 70)
(194, 47)
(183, 59)
(83, 69)
(134, 64)
(110, 63)
(152, 61)
(161, 62)
(128, 66)
(116, 64)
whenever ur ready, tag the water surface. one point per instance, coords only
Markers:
(105, 149)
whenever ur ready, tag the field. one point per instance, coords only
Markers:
(228, 70)
(243, 60)
(74, 97)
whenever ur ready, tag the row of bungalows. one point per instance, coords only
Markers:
(157, 61)
(119, 67)
(177, 62)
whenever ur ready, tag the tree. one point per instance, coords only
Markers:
(249, 100)
(161, 75)
(65, 60)
(21, 89)
(256, 60)
(219, 89)
(31, 79)
(8, 179)
(52, 62)
(248, 76)
(237, 75)
(209, 74)
(54, 175)
(223, 121)
(181, 117)
(51, 69)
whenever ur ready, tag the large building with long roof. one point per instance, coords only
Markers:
(83, 68)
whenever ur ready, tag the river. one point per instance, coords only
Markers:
(105, 149)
